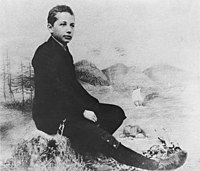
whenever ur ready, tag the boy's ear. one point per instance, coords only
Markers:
(50, 27)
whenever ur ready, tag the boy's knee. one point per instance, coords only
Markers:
(120, 113)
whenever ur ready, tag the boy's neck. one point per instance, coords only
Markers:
(63, 46)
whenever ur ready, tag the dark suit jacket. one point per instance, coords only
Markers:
(58, 94)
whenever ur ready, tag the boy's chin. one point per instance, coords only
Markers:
(66, 42)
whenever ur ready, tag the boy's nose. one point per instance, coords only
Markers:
(69, 30)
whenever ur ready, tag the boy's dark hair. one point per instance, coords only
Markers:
(59, 8)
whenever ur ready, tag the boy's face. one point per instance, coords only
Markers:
(63, 28)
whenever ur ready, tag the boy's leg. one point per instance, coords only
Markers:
(110, 117)
(85, 136)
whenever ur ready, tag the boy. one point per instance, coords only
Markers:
(59, 96)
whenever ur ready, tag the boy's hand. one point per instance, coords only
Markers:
(90, 115)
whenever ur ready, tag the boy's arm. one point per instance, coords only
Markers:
(91, 103)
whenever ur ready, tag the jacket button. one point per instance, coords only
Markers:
(114, 145)
(107, 140)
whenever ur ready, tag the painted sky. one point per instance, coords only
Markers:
(135, 32)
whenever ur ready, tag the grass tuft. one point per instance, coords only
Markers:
(46, 154)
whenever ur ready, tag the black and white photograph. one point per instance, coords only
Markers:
(99, 85)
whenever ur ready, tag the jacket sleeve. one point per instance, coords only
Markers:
(47, 70)
(89, 101)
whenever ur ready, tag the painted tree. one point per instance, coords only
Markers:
(23, 83)
(28, 81)
(4, 80)
(9, 79)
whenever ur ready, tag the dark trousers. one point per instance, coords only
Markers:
(87, 136)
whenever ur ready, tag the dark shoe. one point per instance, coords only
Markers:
(173, 162)
(129, 157)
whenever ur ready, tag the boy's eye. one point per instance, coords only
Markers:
(72, 25)
(63, 24)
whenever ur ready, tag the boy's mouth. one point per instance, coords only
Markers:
(67, 37)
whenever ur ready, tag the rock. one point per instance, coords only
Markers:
(115, 71)
(169, 157)
(133, 131)
(126, 78)
(40, 151)
(89, 73)
(150, 97)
